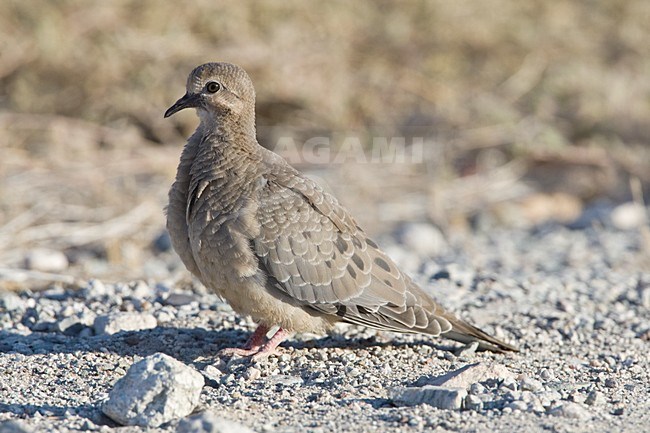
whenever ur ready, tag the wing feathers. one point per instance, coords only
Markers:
(321, 258)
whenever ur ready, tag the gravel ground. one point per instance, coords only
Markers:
(575, 300)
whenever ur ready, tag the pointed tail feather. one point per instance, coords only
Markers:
(466, 333)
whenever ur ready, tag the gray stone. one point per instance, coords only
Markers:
(123, 321)
(162, 242)
(509, 383)
(252, 373)
(140, 289)
(476, 389)
(527, 383)
(212, 374)
(518, 405)
(13, 426)
(154, 391)
(95, 289)
(570, 410)
(473, 402)
(436, 396)
(75, 323)
(179, 299)
(593, 398)
(11, 302)
(210, 422)
(285, 380)
(467, 351)
(72, 325)
(473, 373)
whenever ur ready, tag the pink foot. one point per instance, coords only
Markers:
(251, 347)
(270, 348)
(254, 346)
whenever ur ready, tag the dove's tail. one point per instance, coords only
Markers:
(466, 333)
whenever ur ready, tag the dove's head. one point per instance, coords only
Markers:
(219, 92)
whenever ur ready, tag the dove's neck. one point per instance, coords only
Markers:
(225, 157)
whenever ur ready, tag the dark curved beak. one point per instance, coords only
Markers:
(187, 101)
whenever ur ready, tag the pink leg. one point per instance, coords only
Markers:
(270, 347)
(252, 346)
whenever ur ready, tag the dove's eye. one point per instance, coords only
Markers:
(213, 87)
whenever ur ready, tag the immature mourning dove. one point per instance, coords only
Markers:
(272, 243)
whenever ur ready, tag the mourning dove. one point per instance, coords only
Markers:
(272, 243)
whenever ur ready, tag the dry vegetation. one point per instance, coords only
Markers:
(518, 101)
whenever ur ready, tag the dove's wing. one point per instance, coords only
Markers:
(317, 255)
(312, 250)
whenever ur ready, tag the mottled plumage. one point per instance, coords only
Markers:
(272, 243)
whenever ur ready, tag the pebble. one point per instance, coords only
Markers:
(95, 289)
(476, 389)
(162, 242)
(570, 410)
(527, 383)
(478, 372)
(11, 301)
(154, 391)
(210, 422)
(284, 380)
(178, 299)
(473, 402)
(212, 374)
(509, 383)
(436, 396)
(467, 351)
(253, 373)
(423, 239)
(73, 325)
(593, 398)
(123, 321)
(628, 216)
(13, 426)
(518, 405)
(46, 260)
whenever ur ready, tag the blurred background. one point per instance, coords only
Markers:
(525, 114)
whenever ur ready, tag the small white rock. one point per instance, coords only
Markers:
(252, 373)
(11, 301)
(154, 391)
(509, 383)
(473, 373)
(123, 321)
(423, 239)
(212, 373)
(46, 260)
(570, 410)
(518, 405)
(436, 396)
(473, 402)
(210, 422)
(284, 380)
(178, 299)
(476, 389)
(527, 383)
(594, 398)
(467, 351)
(629, 216)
